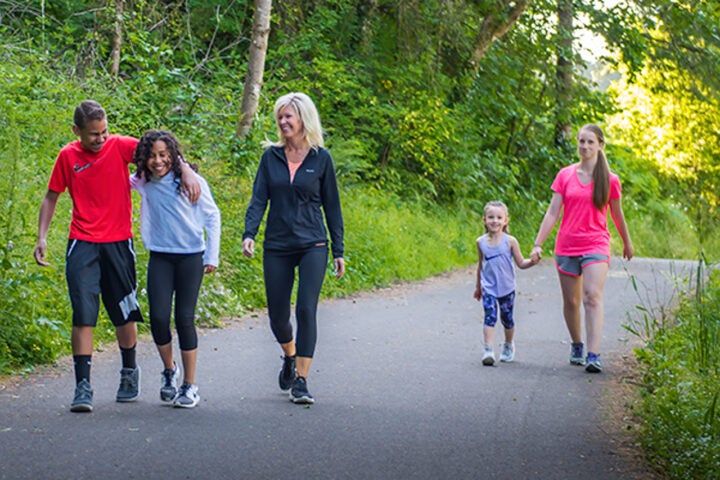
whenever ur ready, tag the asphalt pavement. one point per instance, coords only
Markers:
(400, 390)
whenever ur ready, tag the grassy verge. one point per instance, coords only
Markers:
(680, 388)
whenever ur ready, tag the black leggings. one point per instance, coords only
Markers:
(181, 274)
(279, 272)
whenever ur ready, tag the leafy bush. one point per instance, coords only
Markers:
(680, 398)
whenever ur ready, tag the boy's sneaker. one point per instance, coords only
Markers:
(508, 352)
(129, 388)
(187, 397)
(299, 392)
(168, 390)
(83, 401)
(576, 354)
(488, 357)
(287, 373)
(593, 363)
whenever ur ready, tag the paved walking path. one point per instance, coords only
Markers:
(401, 394)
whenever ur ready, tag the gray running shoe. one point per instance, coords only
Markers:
(576, 354)
(299, 392)
(170, 377)
(129, 388)
(488, 357)
(187, 396)
(508, 352)
(83, 401)
(287, 373)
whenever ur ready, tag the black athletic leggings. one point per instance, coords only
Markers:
(279, 272)
(182, 275)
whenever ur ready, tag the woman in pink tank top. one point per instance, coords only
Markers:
(583, 192)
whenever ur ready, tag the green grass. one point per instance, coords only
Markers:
(681, 364)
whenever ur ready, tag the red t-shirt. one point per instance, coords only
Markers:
(583, 229)
(99, 187)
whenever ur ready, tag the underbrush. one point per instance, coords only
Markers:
(681, 364)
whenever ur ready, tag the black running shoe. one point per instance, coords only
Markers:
(299, 392)
(287, 373)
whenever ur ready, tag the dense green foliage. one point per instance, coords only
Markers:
(422, 134)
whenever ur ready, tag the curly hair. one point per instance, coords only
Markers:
(144, 150)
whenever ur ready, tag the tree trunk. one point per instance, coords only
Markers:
(117, 39)
(564, 72)
(495, 25)
(256, 66)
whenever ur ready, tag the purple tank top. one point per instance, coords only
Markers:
(497, 276)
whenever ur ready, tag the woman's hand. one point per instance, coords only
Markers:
(339, 264)
(248, 247)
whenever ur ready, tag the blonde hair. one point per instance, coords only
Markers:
(308, 114)
(601, 172)
(497, 204)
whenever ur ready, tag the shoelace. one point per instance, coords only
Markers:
(168, 377)
(127, 382)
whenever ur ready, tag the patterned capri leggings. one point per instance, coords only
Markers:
(505, 304)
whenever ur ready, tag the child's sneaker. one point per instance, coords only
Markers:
(169, 381)
(129, 388)
(508, 352)
(593, 363)
(488, 357)
(187, 397)
(576, 354)
(299, 392)
(83, 401)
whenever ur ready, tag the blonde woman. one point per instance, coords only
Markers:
(296, 177)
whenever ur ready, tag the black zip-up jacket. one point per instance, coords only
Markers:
(295, 220)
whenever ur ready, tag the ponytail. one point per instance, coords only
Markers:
(601, 172)
(601, 182)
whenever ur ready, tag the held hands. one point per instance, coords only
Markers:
(536, 254)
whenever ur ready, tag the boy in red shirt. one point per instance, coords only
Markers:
(100, 260)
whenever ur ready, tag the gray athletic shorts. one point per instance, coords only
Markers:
(93, 270)
(574, 265)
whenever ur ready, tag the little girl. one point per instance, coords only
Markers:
(496, 279)
(172, 230)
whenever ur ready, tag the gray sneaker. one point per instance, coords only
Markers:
(488, 358)
(168, 390)
(576, 354)
(508, 352)
(187, 397)
(129, 388)
(83, 401)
